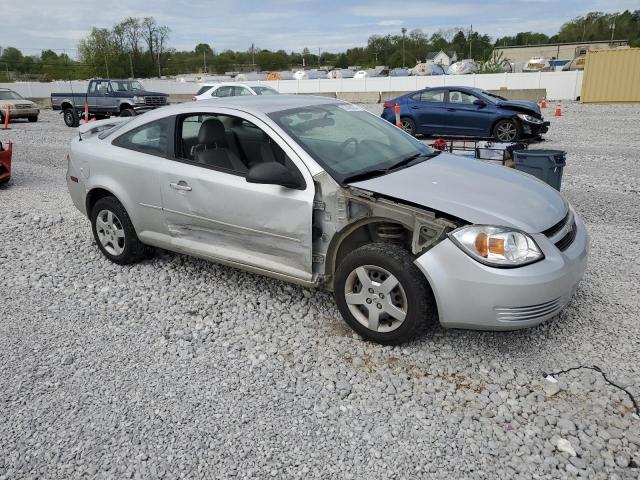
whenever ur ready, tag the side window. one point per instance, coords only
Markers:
(242, 91)
(201, 90)
(432, 97)
(93, 88)
(224, 91)
(149, 138)
(227, 143)
(456, 96)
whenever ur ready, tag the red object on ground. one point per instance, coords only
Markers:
(7, 109)
(86, 112)
(397, 110)
(543, 103)
(439, 144)
(558, 110)
(5, 163)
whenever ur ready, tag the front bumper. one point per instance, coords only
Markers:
(534, 129)
(21, 112)
(472, 295)
(5, 163)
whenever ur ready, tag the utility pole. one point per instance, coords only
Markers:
(404, 33)
(131, 64)
(159, 72)
(470, 40)
(106, 66)
(204, 61)
(613, 27)
(253, 57)
(318, 58)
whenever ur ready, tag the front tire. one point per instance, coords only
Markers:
(128, 112)
(382, 295)
(507, 131)
(33, 119)
(114, 232)
(71, 118)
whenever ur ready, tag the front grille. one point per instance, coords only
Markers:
(531, 312)
(563, 233)
(155, 101)
(23, 105)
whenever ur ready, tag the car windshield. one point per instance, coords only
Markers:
(9, 95)
(264, 91)
(349, 142)
(126, 85)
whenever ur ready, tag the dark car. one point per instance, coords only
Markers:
(466, 112)
(107, 97)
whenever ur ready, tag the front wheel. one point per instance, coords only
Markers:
(128, 112)
(33, 119)
(382, 295)
(114, 232)
(506, 131)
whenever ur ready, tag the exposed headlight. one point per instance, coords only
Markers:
(528, 118)
(138, 99)
(497, 246)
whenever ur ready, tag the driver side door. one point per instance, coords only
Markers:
(213, 212)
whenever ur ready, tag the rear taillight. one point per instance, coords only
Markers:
(194, 98)
(387, 105)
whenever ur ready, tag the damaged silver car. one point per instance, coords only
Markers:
(324, 194)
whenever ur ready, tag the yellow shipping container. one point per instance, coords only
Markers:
(611, 76)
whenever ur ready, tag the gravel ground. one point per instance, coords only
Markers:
(179, 368)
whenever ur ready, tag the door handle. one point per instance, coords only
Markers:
(181, 185)
(414, 107)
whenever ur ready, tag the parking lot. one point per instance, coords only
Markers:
(180, 368)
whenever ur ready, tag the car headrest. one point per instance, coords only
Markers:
(212, 132)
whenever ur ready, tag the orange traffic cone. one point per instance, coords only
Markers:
(397, 111)
(86, 112)
(558, 109)
(6, 116)
(543, 103)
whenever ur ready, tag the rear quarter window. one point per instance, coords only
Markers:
(202, 90)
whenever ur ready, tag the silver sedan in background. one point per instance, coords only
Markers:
(324, 194)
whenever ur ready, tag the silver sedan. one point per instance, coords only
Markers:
(322, 193)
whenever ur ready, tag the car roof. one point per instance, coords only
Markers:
(267, 103)
(234, 84)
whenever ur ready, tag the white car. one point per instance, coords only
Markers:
(232, 89)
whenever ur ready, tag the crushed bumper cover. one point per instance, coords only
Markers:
(474, 296)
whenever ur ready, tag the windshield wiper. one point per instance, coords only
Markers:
(377, 172)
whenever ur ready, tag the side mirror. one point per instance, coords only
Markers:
(273, 173)
(479, 103)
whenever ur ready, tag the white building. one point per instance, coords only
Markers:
(442, 57)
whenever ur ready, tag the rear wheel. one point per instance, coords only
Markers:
(381, 293)
(33, 119)
(71, 118)
(128, 112)
(506, 131)
(114, 232)
(408, 125)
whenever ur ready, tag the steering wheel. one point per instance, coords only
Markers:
(349, 140)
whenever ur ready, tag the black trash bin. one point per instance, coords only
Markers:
(547, 165)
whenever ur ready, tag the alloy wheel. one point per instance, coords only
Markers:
(406, 126)
(376, 298)
(110, 232)
(506, 132)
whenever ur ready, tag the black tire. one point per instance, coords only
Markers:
(128, 112)
(133, 249)
(71, 118)
(507, 130)
(33, 119)
(417, 298)
(408, 125)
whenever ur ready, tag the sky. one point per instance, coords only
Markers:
(331, 25)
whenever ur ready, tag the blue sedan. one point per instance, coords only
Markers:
(466, 112)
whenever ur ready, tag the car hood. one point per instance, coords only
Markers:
(139, 93)
(520, 105)
(17, 101)
(474, 191)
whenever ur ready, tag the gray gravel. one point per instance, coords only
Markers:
(179, 368)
